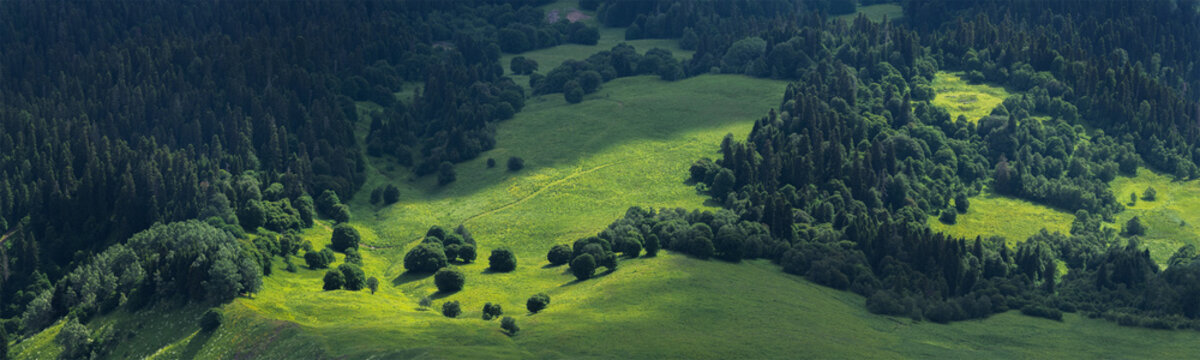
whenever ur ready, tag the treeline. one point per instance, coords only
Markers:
(576, 78)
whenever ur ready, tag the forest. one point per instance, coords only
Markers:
(177, 154)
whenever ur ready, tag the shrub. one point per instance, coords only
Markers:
(449, 280)
(466, 253)
(559, 254)
(451, 252)
(962, 203)
(1150, 194)
(75, 339)
(584, 266)
(212, 319)
(509, 325)
(318, 259)
(334, 280)
(425, 258)
(373, 284)
(344, 237)
(451, 309)
(502, 260)
(515, 163)
(1042, 312)
(537, 302)
(355, 279)
(391, 194)
(340, 213)
(1134, 227)
(492, 311)
(491, 163)
(425, 302)
(949, 216)
(572, 92)
(354, 257)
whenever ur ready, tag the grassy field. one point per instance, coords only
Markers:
(876, 12)
(1014, 219)
(1171, 219)
(959, 97)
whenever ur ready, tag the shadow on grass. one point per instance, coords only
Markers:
(196, 344)
(409, 276)
(442, 294)
(548, 265)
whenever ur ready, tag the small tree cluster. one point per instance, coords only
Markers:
(319, 259)
(537, 302)
(521, 65)
(559, 254)
(590, 253)
(346, 276)
(492, 311)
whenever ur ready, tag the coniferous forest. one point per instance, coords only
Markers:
(189, 179)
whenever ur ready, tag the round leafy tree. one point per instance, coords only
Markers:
(537, 302)
(502, 260)
(449, 280)
(334, 280)
(584, 266)
(451, 309)
(559, 254)
(344, 237)
(212, 319)
(355, 278)
(341, 213)
(492, 311)
(515, 163)
(467, 253)
(509, 325)
(425, 258)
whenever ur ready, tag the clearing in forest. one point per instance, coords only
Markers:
(960, 97)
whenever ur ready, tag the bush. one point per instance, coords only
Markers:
(425, 258)
(515, 163)
(425, 302)
(466, 253)
(212, 319)
(446, 173)
(1042, 312)
(451, 309)
(652, 245)
(353, 257)
(502, 260)
(509, 325)
(318, 259)
(391, 194)
(962, 203)
(949, 216)
(1150, 194)
(373, 284)
(1134, 227)
(355, 279)
(537, 302)
(334, 280)
(491, 163)
(886, 302)
(584, 266)
(559, 254)
(344, 237)
(326, 201)
(573, 92)
(340, 213)
(492, 311)
(449, 280)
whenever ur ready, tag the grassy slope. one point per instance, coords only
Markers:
(959, 97)
(1171, 220)
(1014, 219)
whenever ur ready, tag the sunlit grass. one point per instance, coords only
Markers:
(1171, 220)
(959, 97)
(1014, 219)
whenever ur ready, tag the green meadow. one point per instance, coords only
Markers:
(960, 97)
(1014, 219)
(1171, 219)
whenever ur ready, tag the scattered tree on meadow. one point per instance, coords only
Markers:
(515, 163)
(502, 260)
(451, 309)
(446, 173)
(391, 194)
(949, 216)
(1150, 194)
(340, 213)
(509, 325)
(492, 311)
(537, 302)
(344, 237)
(373, 284)
(319, 259)
(559, 254)
(334, 280)
(449, 280)
(354, 277)
(1134, 227)
(466, 253)
(425, 258)
(425, 302)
